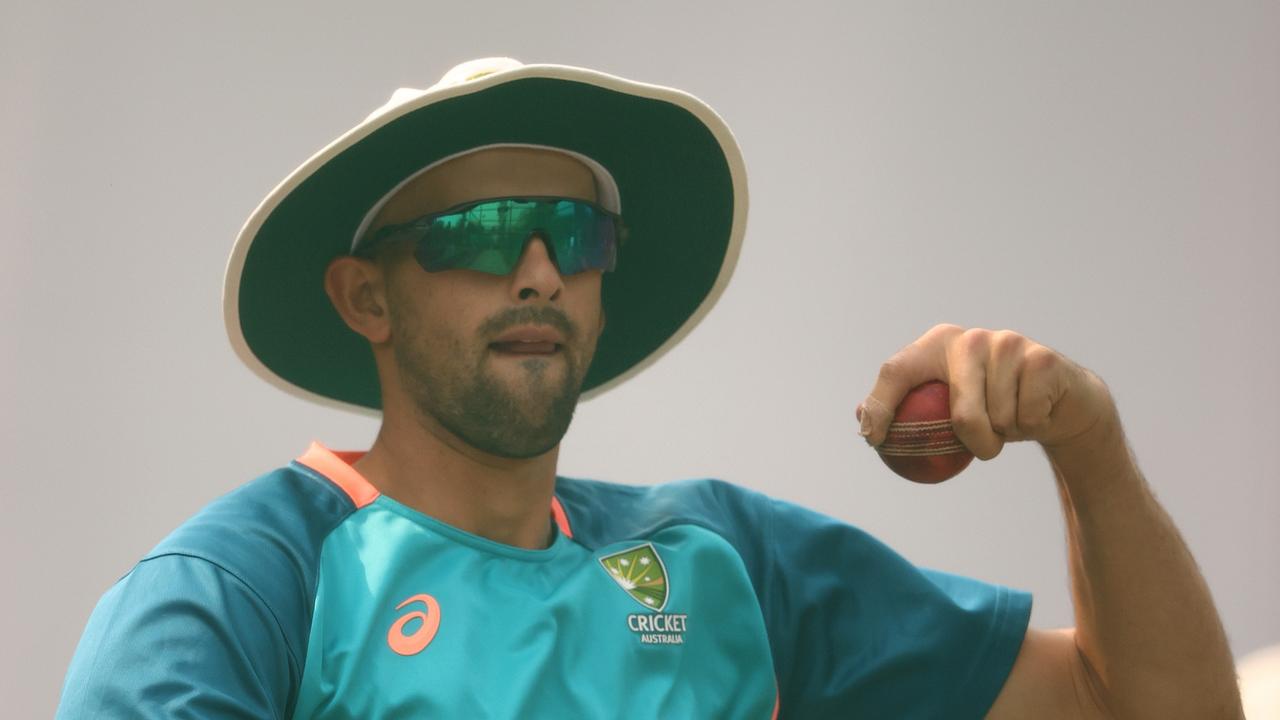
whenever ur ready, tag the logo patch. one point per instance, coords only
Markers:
(642, 574)
(416, 641)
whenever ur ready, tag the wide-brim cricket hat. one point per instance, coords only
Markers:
(671, 164)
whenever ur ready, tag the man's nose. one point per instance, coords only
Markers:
(536, 276)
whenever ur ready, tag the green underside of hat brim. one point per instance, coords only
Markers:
(672, 176)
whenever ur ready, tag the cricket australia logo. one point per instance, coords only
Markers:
(640, 572)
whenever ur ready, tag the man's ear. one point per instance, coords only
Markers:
(357, 289)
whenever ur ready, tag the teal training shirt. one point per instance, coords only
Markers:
(307, 594)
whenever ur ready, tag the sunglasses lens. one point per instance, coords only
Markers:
(583, 238)
(490, 236)
(474, 238)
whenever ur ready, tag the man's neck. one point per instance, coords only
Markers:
(432, 471)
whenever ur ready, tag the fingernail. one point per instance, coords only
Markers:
(864, 421)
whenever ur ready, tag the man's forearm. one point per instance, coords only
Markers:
(1146, 623)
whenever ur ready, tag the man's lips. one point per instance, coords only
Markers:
(525, 348)
(529, 340)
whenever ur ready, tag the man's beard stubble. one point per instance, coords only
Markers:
(474, 404)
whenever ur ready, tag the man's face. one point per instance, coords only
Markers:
(498, 361)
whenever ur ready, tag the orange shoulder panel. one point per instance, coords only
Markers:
(337, 467)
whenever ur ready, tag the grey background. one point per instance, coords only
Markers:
(1101, 177)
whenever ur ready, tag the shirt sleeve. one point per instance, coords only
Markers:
(858, 631)
(180, 637)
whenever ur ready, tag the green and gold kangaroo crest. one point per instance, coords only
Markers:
(641, 573)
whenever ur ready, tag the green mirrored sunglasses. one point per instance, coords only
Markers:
(490, 235)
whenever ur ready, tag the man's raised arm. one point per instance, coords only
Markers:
(1148, 641)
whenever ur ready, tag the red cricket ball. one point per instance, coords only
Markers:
(921, 445)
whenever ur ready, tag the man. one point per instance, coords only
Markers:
(509, 239)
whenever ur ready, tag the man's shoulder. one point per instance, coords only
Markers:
(598, 509)
(232, 588)
(269, 528)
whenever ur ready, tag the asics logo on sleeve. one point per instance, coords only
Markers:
(413, 643)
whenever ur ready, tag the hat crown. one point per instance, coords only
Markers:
(476, 69)
(461, 74)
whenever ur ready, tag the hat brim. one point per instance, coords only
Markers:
(678, 170)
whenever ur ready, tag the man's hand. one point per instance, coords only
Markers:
(1004, 388)
(1148, 642)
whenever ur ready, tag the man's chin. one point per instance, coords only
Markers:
(527, 452)
(530, 427)
(513, 407)
(530, 377)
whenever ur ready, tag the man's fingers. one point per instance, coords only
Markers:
(1003, 371)
(921, 361)
(1004, 387)
(967, 362)
(1039, 390)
